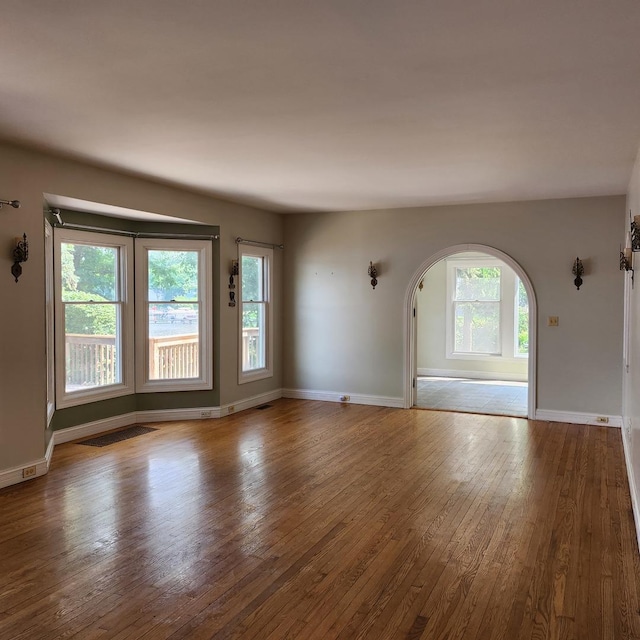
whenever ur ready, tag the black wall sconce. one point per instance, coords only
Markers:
(20, 254)
(635, 232)
(235, 270)
(373, 274)
(626, 261)
(12, 203)
(578, 272)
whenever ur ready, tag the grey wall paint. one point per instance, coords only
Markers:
(343, 336)
(26, 175)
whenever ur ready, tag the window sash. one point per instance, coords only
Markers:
(255, 317)
(180, 356)
(507, 350)
(102, 363)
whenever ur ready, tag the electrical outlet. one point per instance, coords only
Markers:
(553, 321)
(206, 413)
(29, 472)
(231, 408)
(602, 419)
(345, 398)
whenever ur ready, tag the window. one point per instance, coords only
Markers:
(476, 304)
(50, 322)
(522, 319)
(173, 315)
(255, 313)
(95, 309)
(93, 317)
(488, 310)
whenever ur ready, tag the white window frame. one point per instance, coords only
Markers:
(205, 318)
(508, 310)
(50, 337)
(125, 286)
(267, 290)
(516, 355)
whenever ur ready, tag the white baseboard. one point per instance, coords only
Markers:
(93, 428)
(474, 375)
(334, 396)
(249, 403)
(15, 475)
(578, 418)
(167, 415)
(635, 507)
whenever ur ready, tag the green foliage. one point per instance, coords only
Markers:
(89, 319)
(89, 269)
(523, 320)
(478, 283)
(251, 289)
(173, 275)
(69, 278)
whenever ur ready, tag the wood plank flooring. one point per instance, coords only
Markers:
(317, 520)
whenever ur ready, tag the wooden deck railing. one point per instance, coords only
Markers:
(174, 357)
(93, 360)
(250, 348)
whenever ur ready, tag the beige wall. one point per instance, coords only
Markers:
(343, 336)
(25, 176)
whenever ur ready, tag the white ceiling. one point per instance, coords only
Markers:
(333, 104)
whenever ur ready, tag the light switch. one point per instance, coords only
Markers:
(552, 321)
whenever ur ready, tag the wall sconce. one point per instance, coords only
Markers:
(12, 203)
(635, 232)
(373, 274)
(578, 271)
(233, 272)
(20, 254)
(626, 261)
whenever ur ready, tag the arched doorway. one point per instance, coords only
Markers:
(410, 368)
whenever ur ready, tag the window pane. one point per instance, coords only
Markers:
(477, 283)
(477, 327)
(173, 275)
(88, 272)
(252, 275)
(91, 346)
(174, 341)
(253, 336)
(522, 302)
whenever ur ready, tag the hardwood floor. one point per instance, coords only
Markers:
(317, 520)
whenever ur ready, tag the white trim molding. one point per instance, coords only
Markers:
(574, 417)
(410, 364)
(635, 502)
(250, 403)
(335, 396)
(15, 475)
(93, 428)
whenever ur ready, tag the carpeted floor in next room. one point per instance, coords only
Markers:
(495, 397)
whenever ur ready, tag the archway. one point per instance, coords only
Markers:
(410, 368)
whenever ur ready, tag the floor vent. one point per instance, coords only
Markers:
(264, 406)
(117, 436)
